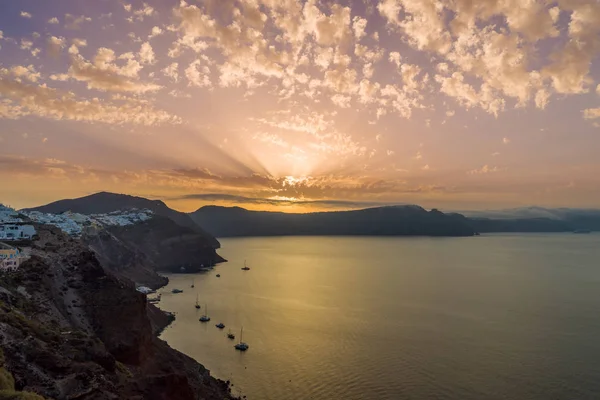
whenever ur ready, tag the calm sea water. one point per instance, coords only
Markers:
(490, 317)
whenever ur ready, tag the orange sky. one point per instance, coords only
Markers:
(302, 105)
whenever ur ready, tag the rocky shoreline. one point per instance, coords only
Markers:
(71, 330)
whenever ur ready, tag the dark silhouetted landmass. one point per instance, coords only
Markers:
(487, 225)
(537, 219)
(381, 221)
(170, 241)
(105, 202)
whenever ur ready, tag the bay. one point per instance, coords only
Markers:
(489, 317)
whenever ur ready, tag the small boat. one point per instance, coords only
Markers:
(192, 284)
(220, 325)
(197, 304)
(241, 346)
(218, 275)
(230, 335)
(176, 291)
(205, 317)
(246, 268)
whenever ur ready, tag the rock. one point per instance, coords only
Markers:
(105, 349)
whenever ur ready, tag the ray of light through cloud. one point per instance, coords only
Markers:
(302, 104)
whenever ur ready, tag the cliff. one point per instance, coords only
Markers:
(70, 330)
(381, 221)
(170, 247)
(105, 202)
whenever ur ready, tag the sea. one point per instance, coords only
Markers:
(502, 316)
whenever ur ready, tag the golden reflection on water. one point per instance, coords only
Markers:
(391, 318)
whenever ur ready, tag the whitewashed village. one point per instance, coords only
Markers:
(17, 230)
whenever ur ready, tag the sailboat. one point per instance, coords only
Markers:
(246, 268)
(197, 305)
(205, 317)
(241, 345)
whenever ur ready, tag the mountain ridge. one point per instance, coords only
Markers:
(106, 202)
(406, 220)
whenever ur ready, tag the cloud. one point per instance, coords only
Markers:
(74, 22)
(236, 199)
(505, 140)
(198, 75)
(46, 102)
(55, 45)
(21, 72)
(25, 14)
(53, 21)
(484, 170)
(105, 74)
(591, 113)
(156, 31)
(172, 71)
(146, 54)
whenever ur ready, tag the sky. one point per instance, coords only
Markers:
(297, 105)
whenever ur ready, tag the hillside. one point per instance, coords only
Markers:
(104, 203)
(488, 225)
(170, 247)
(70, 330)
(569, 218)
(382, 221)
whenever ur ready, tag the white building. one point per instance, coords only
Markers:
(16, 232)
(8, 215)
(74, 223)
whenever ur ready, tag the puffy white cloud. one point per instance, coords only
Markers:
(145, 11)
(359, 26)
(455, 86)
(42, 101)
(198, 75)
(74, 21)
(53, 21)
(591, 113)
(156, 31)
(368, 91)
(105, 74)
(146, 54)
(341, 100)
(25, 14)
(55, 45)
(21, 72)
(395, 58)
(505, 140)
(79, 42)
(172, 71)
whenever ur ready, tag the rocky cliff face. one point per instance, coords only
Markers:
(123, 259)
(171, 247)
(70, 330)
